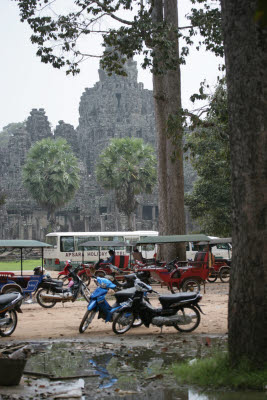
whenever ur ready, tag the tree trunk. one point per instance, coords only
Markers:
(246, 66)
(167, 94)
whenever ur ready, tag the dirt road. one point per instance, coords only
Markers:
(61, 321)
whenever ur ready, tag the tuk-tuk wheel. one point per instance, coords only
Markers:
(191, 285)
(224, 274)
(11, 289)
(212, 276)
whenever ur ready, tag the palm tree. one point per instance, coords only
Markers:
(51, 175)
(127, 166)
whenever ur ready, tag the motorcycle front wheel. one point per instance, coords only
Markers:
(43, 303)
(189, 319)
(86, 293)
(86, 321)
(85, 278)
(9, 328)
(123, 322)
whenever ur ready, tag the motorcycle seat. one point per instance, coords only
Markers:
(130, 277)
(7, 298)
(176, 298)
(57, 282)
(125, 294)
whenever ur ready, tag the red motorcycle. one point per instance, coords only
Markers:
(84, 273)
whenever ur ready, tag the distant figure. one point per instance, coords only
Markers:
(111, 258)
(137, 255)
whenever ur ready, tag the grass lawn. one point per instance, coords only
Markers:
(16, 266)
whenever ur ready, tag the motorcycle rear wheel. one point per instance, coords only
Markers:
(9, 329)
(42, 302)
(123, 322)
(86, 321)
(193, 316)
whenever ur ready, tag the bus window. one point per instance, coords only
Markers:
(67, 243)
(52, 240)
(112, 239)
(187, 246)
(83, 239)
(223, 246)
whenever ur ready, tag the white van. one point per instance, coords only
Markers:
(221, 250)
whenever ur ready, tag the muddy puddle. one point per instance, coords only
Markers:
(121, 368)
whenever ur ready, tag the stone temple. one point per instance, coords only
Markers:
(115, 107)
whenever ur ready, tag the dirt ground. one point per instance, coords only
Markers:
(62, 321)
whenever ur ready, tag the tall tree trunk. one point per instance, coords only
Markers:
(167, 94)
(246, 66)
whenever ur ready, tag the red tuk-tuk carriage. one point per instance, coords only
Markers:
(180, 275)
(220, 267)
(122, 262)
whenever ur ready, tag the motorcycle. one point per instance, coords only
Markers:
(98, 303)
(64, 274)
(181, 310)
(9, 306)
(55, 293)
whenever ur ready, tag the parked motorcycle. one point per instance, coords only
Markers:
(9, 306)
(98, 303)
(55, 292)
(181, 310)
(82, 273)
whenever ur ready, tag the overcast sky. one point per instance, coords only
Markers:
(27, 83)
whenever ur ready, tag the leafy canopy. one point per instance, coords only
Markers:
(210, 200)
(127, 166)
(57, 32)
(51, 173)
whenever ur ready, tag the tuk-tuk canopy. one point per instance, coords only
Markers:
(173, 239)
(213, 242)
(23, 243)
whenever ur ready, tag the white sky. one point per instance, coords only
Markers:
(27, 83)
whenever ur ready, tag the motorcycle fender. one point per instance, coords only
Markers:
(18, 309)
(199, 308)
(91, 305)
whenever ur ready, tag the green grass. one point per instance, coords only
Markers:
(216, 372)
(16, 266)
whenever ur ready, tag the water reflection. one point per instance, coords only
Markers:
(125, 373)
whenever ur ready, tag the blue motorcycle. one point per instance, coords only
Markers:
(98, 303)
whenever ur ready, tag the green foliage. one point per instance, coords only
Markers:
(217, 372)
(209, 149)
(127, 166)
(57, 35)
(51, 173)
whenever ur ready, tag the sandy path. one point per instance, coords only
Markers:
(37, 322)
